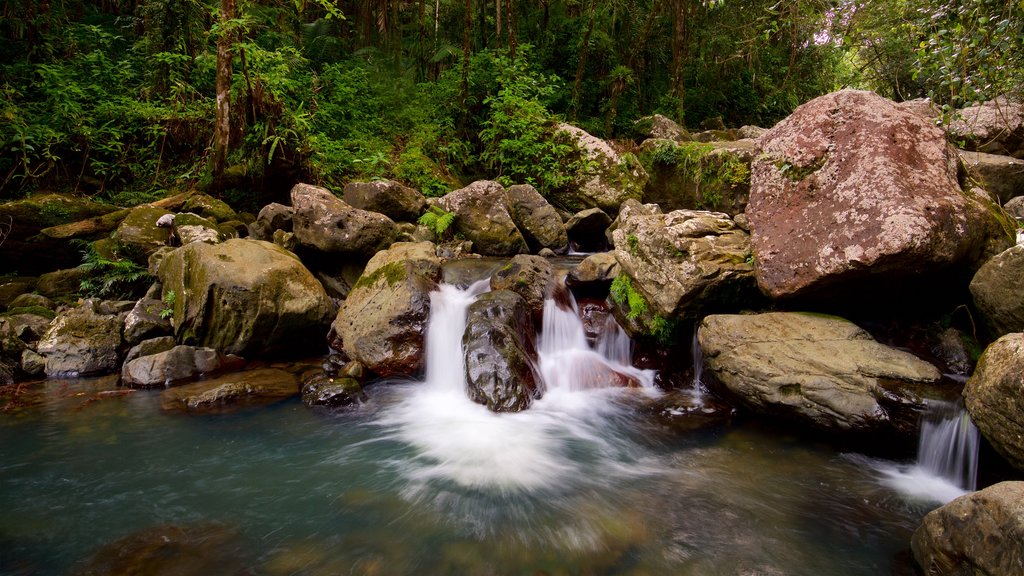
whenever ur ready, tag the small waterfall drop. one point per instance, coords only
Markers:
(947, 456)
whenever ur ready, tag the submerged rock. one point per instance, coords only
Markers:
(978, 534)
(333, 392)
(852, 188)
(383, 322)
(994, 397)
(244, 297)
(813, 369)
(170, 550)
(232, 391)
(500, 352)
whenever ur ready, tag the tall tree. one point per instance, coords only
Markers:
(222, 122)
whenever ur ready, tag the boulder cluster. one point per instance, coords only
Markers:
(778, 246)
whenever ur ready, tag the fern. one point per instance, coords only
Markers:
(438, 220)
(117, 279)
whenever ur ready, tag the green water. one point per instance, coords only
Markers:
(306, 492)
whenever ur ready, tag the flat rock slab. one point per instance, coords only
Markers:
(232, 392)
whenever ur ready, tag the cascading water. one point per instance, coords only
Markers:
(947, 455)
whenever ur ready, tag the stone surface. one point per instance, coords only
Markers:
(531, 277)
(481, 215)
(140, 233)
(149, 347)
(208, 207)
(176, 365)
(998, 291)
(979, 534)
(499, 352)
(82, 341)
(686, 262)
(600, 268)
(1000, 176)
(31, 301)
(994, 397)
(333, 392)
(851, 188)
(244, 297)
(32, 363)
(538, 221)
(383, 322)
(995, 127)
(61, 282)
(15, 287)
(232, 391)
(815, 370)
(398, 202)
(1015, 208)
(612, 179)
(189, 228)
(698, 176)
(146, 320)
(29, 252)
(272, 217)
(171, 550)
(658, 126)
(327, 224)
(586, 230)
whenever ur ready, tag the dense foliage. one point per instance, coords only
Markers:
(117, 99)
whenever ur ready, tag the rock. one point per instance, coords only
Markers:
(596, 269)
(28, 251)
(537, 220)
(339, 279)
(383, 322)
(165, 368)
(482, 216)
(82, 342)
(286, 240)
(658, 126)
(324, 390)
(978, 534)
(1000, 176)
(531, 277)
(715, 136)
(237, 390)
(272, 217)
(686, 262)
(613, 178)
(146, 320)
(28, 326)
(208, 207)
(167, 549)
(586, 230)
(813, 369)
(922, 107)
(61, 283)
(950, 348)
(695, 175)
(150, 347)
(31, 301)
(141, 234)
(1015, 207)
(751, 132)
(713, 123)
(324, 223)
(13, 288)
(500, 351)
(244, 297)
(397, 202)
(998, 291)
(32, 363)
(994, 397)
(852, 189)
(189, 228)
(995, 127)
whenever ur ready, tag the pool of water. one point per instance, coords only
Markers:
(416, 482)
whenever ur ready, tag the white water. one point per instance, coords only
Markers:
(947, 456)
(457, 440)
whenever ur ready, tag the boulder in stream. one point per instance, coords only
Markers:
(327, 224)
(394, 200)
(482, 216)
(998, 291)
(610, 179)
(83, 341)
(166, 549)
(815, 370)
(994, 396)
(500, 352)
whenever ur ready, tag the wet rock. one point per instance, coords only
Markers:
(82, 341)
(32, 363)
(686, 262)
(978, 534)
(531, 277)
(1000, 176)
(998, 291)
(31, 301)
(853, 190)
(383, 322)
(537, 220)
(586, 230)
(208, 207)
(149, 347)
(189, 228)
(995, 127)
(994, 397)
(612, 179)
(140, 233)
(327, 224)
(951, 349)
(170, 550)
(333, 392)
(482, 216)
(232, 391)
(685, 411)
(813, 369)
(499, 352)
(597, 269)
(61, 283)
(146, 320)
(398, 202)
(271, 217)
(244, 297)
(165, 368)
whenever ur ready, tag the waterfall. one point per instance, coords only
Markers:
(698, 365)
(949, 444)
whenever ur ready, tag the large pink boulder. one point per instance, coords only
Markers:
(852, 186)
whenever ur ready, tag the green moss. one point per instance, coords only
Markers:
(633, 244)
(34, 310)
(637, 310)
(713, 171)
(798, 173)
(392, 273)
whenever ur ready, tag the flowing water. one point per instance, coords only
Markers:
(419, 480)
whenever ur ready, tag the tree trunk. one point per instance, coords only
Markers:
(679, 47)
(510, 27)
(467, 46)
(584, 48)
(222, 126)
